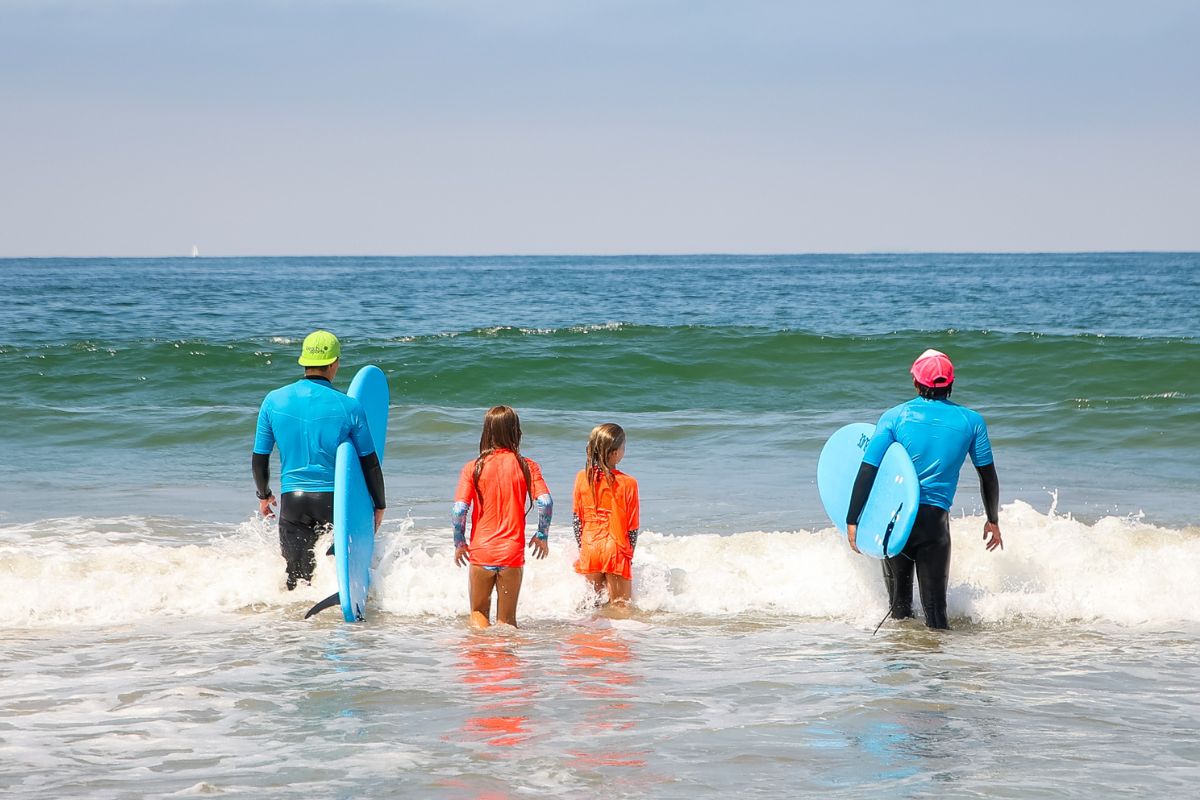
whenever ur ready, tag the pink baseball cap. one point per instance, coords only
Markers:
(933, 368)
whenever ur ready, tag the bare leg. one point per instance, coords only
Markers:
(508, 591)
(482, 581)
(596, 581)
(620, 589)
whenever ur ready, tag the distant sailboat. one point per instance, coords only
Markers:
(195, 251)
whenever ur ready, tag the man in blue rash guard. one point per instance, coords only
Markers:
(308, 419)
(938, 436)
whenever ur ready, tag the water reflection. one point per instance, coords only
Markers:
(598, 668)
(495, 674)
(914, 722)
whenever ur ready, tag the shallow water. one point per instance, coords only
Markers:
(663, 706)
(153, 659)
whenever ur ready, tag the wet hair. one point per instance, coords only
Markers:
(934, 392)
(501, 431)
(604, 441)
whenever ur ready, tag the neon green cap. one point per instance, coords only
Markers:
(319, 349)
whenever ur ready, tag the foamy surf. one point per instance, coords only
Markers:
(1055, 569)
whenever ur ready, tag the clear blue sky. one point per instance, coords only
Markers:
(141, 127)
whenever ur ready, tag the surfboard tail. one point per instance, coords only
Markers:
(333, 600)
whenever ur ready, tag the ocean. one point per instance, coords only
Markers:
(148, 647)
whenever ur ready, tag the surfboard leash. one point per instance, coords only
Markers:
(887, 534)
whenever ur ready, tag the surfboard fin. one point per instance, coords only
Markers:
(333, 600)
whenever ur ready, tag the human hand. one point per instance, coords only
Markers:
(267, 507)
(540, 547)
(462, 555)
(995, 540)
(851, 535)
(379, 518)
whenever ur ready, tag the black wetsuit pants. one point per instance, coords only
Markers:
(927, 552)
(303, 517)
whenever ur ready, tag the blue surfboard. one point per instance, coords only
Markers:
(353, 509)
(891, 509)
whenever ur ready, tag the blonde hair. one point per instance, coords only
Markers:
(501, 431)
(604, 441)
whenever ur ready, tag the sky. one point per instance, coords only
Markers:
(462, 127)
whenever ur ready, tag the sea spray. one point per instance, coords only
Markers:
(1054, 569)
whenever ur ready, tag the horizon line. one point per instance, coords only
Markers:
(567, 254)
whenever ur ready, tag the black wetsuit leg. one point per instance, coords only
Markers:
(303, 517)
(928, 548)
(898, 577)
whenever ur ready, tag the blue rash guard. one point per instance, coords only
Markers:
(938, 436)
(308, 419)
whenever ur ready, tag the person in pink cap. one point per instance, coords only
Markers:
(938, 435)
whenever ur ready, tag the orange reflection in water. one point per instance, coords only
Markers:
(597, 663)
(495, 672)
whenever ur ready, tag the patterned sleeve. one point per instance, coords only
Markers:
(458, 523)
(545, 507)
(464, 496)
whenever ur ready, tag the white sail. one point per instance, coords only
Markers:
(195, 250)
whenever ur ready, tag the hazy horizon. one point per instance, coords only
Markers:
(566, 254)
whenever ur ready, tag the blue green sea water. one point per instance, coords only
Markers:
(150, 648)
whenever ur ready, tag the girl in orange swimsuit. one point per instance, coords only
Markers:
(499, 488)
(606, 516)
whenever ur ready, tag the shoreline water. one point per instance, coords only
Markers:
(635, 710)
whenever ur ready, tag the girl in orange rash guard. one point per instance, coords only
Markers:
(495, 488)
(605, 515)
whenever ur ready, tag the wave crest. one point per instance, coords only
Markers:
(1055, 570)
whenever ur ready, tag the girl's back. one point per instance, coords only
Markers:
(604, 507)
(499, 506)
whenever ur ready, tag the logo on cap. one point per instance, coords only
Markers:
(320, 349)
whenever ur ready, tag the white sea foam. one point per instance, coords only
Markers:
(1054, 569)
